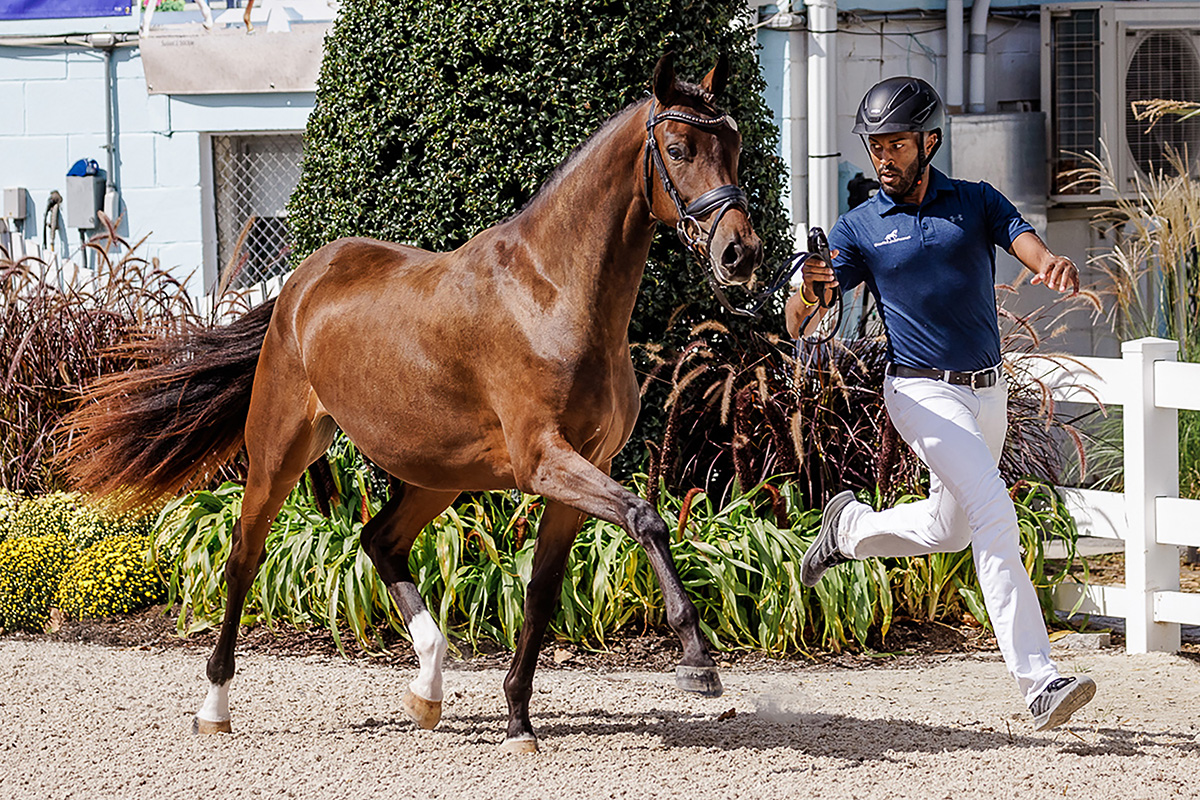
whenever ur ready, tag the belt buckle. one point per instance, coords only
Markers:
(978, 374)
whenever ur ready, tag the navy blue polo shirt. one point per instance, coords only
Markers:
(931, 269)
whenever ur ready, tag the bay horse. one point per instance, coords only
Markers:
(504, 364)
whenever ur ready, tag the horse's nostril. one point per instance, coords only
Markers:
(733, 252)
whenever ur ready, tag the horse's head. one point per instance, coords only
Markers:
(693, 147)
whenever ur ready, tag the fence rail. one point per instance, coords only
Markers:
(1151, 386)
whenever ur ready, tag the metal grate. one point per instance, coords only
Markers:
(1075, 72)
(1164, 66)
(254, 175)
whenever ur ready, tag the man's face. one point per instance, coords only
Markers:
(894, 156)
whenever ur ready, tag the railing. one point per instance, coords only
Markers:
(1151, 385)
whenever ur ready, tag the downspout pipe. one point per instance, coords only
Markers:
(822, 113)
(954, 56)
(977, 46)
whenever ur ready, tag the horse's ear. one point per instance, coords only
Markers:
(664, 79)
(714, 82)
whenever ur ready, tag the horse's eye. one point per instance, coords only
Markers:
(675, 152)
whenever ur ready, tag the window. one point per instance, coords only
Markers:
(253, 176)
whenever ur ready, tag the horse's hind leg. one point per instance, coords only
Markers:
(556, 532)
(387, 539)
(281, 441)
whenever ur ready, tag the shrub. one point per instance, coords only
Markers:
(67, 514)
(30, 570)
(112, 576)
(9, 503)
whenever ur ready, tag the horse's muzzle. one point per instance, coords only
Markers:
(735, 259)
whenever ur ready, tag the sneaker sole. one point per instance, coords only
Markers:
(1076, 699)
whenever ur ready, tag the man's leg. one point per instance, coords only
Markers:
(958, 433)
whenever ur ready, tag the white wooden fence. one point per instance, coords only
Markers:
(1151, 385)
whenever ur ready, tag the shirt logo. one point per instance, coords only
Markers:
(893, 238)
(956, 218)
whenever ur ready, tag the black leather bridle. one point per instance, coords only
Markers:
(721, 199)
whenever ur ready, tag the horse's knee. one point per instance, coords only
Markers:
(645, 525)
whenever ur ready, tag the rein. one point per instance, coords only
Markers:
(721, 199)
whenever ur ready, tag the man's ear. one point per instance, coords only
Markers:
(664, 79)
(932, 140)
(714, 82)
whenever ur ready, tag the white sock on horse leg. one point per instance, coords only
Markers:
(216, 704)
(430, 647)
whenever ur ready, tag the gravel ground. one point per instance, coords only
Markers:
(87, 721)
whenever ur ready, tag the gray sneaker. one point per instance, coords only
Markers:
(824, 552)
(1062, 698)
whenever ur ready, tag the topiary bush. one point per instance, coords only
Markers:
(113, 576)
(435, 120)
(30, 570)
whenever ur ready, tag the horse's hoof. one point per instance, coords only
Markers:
(425, 713)
(208, 726)
(701, 680)
(521, 745)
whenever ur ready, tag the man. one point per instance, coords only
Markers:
(925, 247)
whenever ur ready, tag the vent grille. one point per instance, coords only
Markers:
(1164, 66)
(1075, 75)
(254, 175)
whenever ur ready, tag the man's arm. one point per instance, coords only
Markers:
(1056, 272)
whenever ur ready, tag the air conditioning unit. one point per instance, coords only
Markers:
(1098, 59)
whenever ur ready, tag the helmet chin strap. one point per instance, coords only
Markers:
(924, 160)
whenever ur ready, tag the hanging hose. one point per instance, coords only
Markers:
(51, 220)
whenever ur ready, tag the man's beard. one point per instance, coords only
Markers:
(904, 186)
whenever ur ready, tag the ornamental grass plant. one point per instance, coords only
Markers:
(59, 331)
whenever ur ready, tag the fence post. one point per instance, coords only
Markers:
(1151, 471)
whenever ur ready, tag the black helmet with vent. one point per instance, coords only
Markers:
(899, 105)
(902, 105)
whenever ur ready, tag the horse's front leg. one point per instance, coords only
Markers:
(557, 472)
(556, 532)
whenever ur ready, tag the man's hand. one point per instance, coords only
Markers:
(816, 270)
(1059, 274)
(1055, 272)
(800, 306)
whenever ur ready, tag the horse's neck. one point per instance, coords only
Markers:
(594, 226)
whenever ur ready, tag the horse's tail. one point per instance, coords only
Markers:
(148, 433)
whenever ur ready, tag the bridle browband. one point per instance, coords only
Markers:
(720, 199)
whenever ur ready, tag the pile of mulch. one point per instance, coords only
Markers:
(655, 650)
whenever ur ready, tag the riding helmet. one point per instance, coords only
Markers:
(899, 105)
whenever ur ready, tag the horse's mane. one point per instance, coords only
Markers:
(702, 100)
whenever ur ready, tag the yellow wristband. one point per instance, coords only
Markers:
(804, 299)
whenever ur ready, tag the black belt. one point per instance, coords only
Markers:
(981, 379)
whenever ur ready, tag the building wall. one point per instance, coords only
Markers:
(54, 114)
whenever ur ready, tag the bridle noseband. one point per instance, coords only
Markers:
(720, 199)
